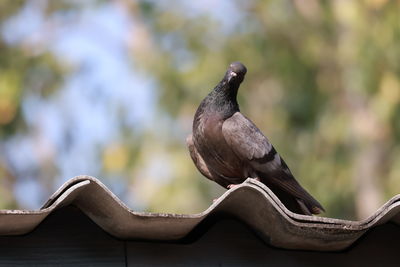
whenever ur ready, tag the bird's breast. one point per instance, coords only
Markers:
(216, 152)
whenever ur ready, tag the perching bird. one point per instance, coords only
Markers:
(227, 147)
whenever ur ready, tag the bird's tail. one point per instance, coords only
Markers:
(309, 209)
(293, 195)
(306, 203)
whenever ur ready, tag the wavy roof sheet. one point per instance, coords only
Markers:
(251, 202)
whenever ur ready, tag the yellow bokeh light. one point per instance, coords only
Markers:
(115, 158)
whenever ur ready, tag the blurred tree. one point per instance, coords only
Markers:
(323, 83)
(324, 75)
(22, 72)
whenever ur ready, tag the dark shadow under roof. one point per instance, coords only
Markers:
(251, 202)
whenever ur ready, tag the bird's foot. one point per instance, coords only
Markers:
(232, 186)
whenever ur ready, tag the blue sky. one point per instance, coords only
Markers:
(84, 114)
(87, 106)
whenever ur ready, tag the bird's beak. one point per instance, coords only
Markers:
(231, 75)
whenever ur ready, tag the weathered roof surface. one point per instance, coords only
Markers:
(251, 202)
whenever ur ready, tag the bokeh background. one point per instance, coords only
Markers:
(109, 89)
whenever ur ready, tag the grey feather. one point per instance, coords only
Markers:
(227, 147)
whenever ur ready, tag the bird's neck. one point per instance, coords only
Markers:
(223, 99)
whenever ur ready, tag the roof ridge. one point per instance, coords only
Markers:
(262, 211)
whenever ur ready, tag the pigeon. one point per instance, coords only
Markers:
(228, 148)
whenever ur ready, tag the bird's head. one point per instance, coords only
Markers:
(227, 88)
(235, 73)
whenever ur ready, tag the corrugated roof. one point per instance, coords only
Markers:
(251, 202)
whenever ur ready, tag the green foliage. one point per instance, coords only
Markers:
(323, 75)
(323, 84)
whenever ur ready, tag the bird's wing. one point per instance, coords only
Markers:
(250, 144)
(247, 141)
